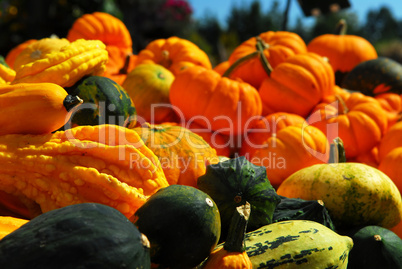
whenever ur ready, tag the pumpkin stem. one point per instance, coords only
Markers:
(237, 229)
(345, 108)
(238, 62)
(166, 61)
(124, 69)
(260, 46)
(341, 27)
(337, 151)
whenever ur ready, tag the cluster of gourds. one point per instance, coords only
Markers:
(286, 154)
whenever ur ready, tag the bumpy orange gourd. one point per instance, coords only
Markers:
(7, 74)
(58, 61)
(301, 81)
(290, 149)
(34, 108)
(358, 120)
(174, 53)
(183, 154)
(222, 104)
(278, 46)
(106, 164)
(14, 52)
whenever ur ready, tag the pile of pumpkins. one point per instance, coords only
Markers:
(213, 164)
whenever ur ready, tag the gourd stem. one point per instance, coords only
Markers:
(337, 151)
(237, 229)
(341, 27)
(124, 69)
(71, 101)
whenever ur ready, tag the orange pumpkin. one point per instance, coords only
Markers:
(183, 154)
(343, 51)
(267, 127)
(390, 164)
(219, 103)
(277, 47)
(392, 105)
(114, 34)
(174, 53)
(358, 120)
(222, 67)
(289, 150)
(391, 140)
(303, 80)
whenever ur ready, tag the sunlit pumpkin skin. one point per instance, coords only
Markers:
(105, 102)
(370, 157)
(358, 120)
(222, 67)
(391, 140)
(392, 105)
(354, 193)
(291, 149)
(220, 103)
(183, 154)
(148, 86)
(391, 165)
(375, 76)
(267, 127)
(9, 224)
(279, 46)
(343, 51)
(303, 80)
(7, 74)
(14, 52)
(59, 61)
(174, 53)
(223, 144)
(34, 108)
(113, 33)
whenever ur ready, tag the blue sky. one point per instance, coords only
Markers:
(221, 8)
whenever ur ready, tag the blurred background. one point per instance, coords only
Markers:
(217, 26)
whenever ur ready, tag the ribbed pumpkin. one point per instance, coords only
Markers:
(105, 164)
(58, 61)
(183, 154)
(291, 149)
(148, 86)
(391, 140)
(358, 120)
(223, 144)
(222, 104)
(303, 80)
(174, 53)
(277, 47)
(114, 34)
(392, 105)
(14, 52)
(7, 74)
(267, 127)
(343, 51)
(391, 165)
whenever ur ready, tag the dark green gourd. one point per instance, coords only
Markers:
(84, 236)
